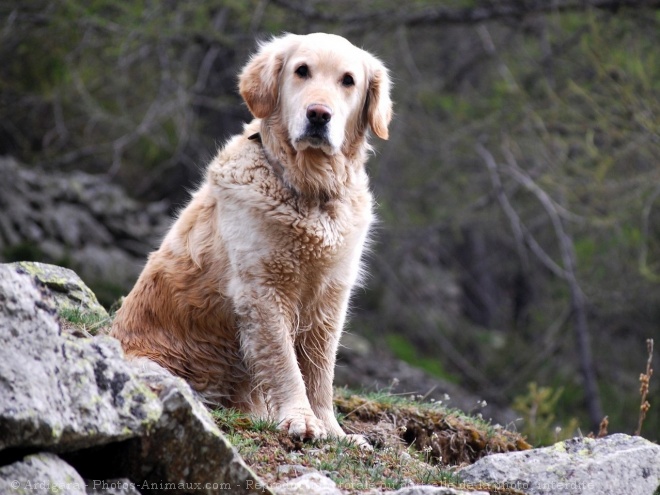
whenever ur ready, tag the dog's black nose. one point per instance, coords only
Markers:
(318, 114)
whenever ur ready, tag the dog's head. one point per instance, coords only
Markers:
(324, 89)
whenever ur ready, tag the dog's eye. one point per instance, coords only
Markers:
(348, 80)
(302, 71)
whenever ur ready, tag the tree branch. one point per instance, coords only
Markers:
(578, 299)
(520, 232)
(568, 270)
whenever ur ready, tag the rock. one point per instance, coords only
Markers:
(185, 445)
(67, 288)
(51, 216)
(606, 466)
(297, 469)
(59, 391)
(121, 486)
(38, 474)
(434, 490)
(309, 483)
(316, 483)
(105, 417)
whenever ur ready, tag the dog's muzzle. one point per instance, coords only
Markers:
(318, 122)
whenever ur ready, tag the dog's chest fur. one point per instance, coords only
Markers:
(318, 233)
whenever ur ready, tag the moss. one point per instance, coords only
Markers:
(448, 435)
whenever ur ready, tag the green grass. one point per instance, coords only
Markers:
(83, 320)
(264, 425)
(414, 442)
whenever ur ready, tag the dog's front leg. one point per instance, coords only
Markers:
(317, 350)
(268, 348)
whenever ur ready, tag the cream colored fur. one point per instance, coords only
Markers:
(247, 295)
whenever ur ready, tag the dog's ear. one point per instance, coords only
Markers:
(258, 82)
(379, 104)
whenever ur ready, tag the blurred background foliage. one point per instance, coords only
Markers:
(518, 195)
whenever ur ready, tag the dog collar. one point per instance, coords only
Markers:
(274, 164)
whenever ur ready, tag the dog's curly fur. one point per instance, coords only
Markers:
(247, 295)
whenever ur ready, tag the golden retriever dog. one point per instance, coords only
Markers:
(248, 293)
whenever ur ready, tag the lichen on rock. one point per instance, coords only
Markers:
(68, 290)
(60, 391)
(41, 473)
(78, 396)
(612, 465)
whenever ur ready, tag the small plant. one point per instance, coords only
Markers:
(442, 477)
(645, 379)
(230, 419)
(537, 408)
(83, 320)
(602, 429)
(264, 424)
(246, 446)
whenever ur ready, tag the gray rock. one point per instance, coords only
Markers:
(434, 490)
(59, 391)
(186, 446)
(297, 469)
(40, 474)
(67, 288)
(108, 417)
(49, 215)
(309, 483)
(316, 483)
(120, 486)
(614, 465)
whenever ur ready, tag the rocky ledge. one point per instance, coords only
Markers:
(77, 418)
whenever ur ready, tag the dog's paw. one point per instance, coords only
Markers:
(303, 425)
(359, 441)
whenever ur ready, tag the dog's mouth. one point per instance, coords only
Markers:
(312, 142)
(314, 137)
